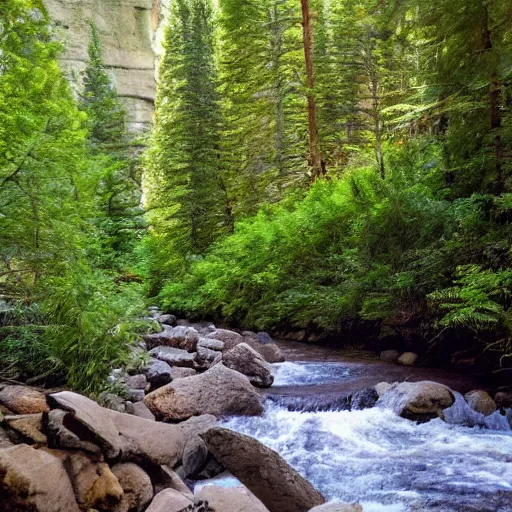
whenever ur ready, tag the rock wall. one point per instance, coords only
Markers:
(130, 31)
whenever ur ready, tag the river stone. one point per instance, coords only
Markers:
(206, 357)
(219, 391)
(338, 507)
(418, 401)
(382, 387)
(120, 436)
(408, 359)
(229, 338)
(27, 427)
(364, 399)
(211, 344)
(246, 360)
(139, 409)
(480, 401)
(163, 477)
(136, 381)
(94, 484)
(198, 424)
(158, 373)
(264, 345)
(167, 319)
(180, 373)
(230, 499)
(34, 481)
(180, 337)
(112, 401)
(264, 472)
(136, 485)
(173, 356)
(389, 356)
(195, 456)
(23, 400)
(169, 500)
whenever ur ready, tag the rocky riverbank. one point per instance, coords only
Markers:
(147, 446)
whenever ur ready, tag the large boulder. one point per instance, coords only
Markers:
(229, 338)
(120, 436)
(230, 499)
(23, 400)
(27, 428)
(136, 485)
(246, 360)
(264, 345)
(34, 481)
(181, 337)
(218, 391)
(158, 373)
(418, 401)
(264, 472)
(94, 484)
(169, 500)
(173, 356)
(480, 401)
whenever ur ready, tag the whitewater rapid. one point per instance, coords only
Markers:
(387, 463)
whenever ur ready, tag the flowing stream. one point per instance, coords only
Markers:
(387, 463)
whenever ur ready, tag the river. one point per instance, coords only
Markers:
(387, 463)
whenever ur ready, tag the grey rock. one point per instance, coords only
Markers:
(134, 395)
(211, 344)
(230, 499)
(246, 360)
(184, 338)
(167, 319)
(364, 399)
(136, 381)
(112, 401)
(139, 409)
(158, 373)
(389, 356)
(169, 500)
(173, 356)
(195, 456)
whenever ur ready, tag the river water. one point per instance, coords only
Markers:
(387, 463)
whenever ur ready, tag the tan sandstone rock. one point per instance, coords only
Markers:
(408, 359)
(137, 487)
(169, 500)
(23, 400)
(264, 472)
(218, 391)
(480, 401)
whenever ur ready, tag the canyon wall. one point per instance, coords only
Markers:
(130, 33)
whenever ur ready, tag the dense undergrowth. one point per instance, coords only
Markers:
(359, 248)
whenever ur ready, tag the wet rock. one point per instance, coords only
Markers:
(230, 499)
(364, 399)
(229, 338)
(94, 484)
(262, 471)
(480, 401)
(139, 409)
(338, 507)
(418, 401)
(169, 500)
(382, 387)
(246, 360)
(180, 337)
(136, 485)
(27, 428)
(195, 456)
(408, 359)
(34, 481)
(123, 436)
(158, 373)
(23, 400)
(173, 356)
(218, 391)
(389, 356)
(503, 399)
(167, 319)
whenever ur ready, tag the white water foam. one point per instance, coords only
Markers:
(301, 374)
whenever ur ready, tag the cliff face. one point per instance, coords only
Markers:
(130, 31)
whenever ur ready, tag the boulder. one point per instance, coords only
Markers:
(169, 500)
(167, 319)
(481, 402)
(94, 484)
(23, 400)
(218, 391)
(139, 381)
(136, 485)
(408, 359)
(264, 472)
(206, 358)
(382, 387)
(139, 409)
(338, 507)
(389, 356)
(173, 356)
(27, 428)
(158, 373)
(166, 478)
(246, 360)
(198, 424)
(211, 344)
(34, 481)
(503, 399)
(181, 373)
(230, 499)
(229, 338)
(120, 436)
(418, 401)
(133, 395)
(364, 399)
(264, 345)
(195, 456)
(184, 338)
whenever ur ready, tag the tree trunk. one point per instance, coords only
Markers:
(315, 155)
